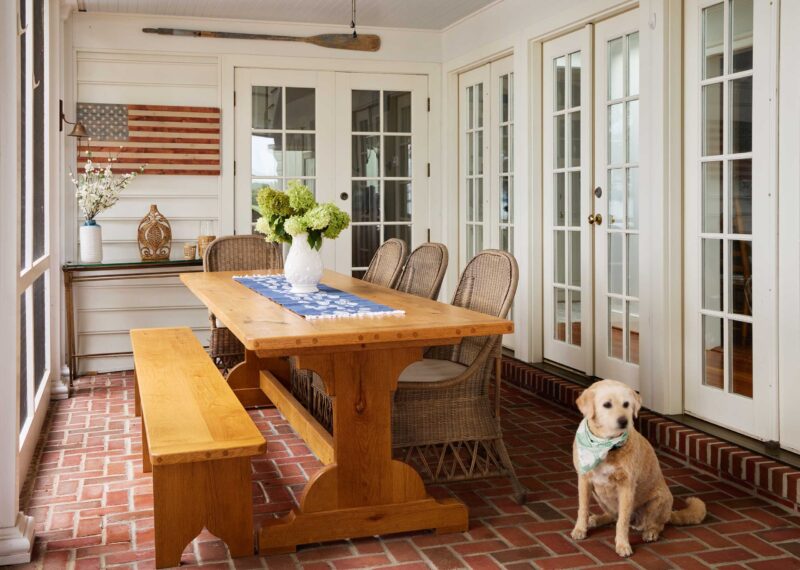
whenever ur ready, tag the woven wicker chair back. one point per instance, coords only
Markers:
(488, 285)
(387, 263)
(242, 253)
(424, 271)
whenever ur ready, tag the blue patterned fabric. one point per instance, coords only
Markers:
(327, 303)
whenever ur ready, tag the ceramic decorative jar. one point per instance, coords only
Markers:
(154, 236)
(303, 266)
(91, 240)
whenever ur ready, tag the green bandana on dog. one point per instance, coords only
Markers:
(592, 449)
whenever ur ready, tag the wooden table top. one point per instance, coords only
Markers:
(264, 326)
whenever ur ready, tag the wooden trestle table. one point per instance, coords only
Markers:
(361, 491)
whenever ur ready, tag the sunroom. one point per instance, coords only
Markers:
(317, 283)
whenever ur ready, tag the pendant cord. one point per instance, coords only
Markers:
(353, 19)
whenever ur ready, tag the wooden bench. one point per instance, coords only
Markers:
(197, 439)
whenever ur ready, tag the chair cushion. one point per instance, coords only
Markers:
(431, 370)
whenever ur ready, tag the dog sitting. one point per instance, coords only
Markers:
(619, 467)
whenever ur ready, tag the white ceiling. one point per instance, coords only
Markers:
(418, 14)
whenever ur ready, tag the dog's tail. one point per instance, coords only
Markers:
(694, 513)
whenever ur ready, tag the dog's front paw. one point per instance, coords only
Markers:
(624, 549)
(578, 533)
(650, 535)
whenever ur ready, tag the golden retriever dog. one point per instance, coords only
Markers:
(618, 466)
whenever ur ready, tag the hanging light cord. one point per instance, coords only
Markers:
(353, 20)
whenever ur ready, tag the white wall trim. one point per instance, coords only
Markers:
(16, 542)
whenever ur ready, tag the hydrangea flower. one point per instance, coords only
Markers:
(295, 225)
(301, 199)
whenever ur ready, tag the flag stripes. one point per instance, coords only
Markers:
(165, 139)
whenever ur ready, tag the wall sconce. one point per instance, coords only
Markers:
(78, 130)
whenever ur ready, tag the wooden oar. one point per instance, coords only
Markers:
(362, 42)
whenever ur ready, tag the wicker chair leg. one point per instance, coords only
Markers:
(520, 492)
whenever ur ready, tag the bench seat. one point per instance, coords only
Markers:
(197, 439)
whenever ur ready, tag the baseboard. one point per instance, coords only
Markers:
(760, 474)
(16, 542)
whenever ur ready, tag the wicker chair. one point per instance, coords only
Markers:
(424, 271)
(443, 422)
(422, 276)
(387, 263)
(236, 253)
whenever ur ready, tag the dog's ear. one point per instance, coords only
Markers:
(637, 403)
(585, 403)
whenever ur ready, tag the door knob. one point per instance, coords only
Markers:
(344, 195)
(595, 219)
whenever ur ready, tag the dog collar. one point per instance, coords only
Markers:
(592, 450)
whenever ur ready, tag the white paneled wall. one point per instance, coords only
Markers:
(106, 310)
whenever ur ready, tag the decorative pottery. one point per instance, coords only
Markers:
(303, 266)
(155, 236)
(203, 242)
(91, 238)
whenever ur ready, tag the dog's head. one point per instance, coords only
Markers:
(610, 407)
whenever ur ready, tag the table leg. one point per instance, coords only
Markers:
(365, 492)
(244, 378)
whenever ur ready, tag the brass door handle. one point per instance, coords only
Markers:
(595, 219)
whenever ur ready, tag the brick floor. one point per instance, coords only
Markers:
(93, 505)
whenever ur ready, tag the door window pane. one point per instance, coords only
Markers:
(23, 361)
(559, 258)
(575, 138)
(741, 133)
(560, 314)
(504, 99)
(267, 155)
(616, 70)
(267, 111)
(632, 210)
(712, 274)
(399, 232)
(741, 35)
(560, 201)
(713, 36)
(632, 265)
(632, 131)
(38, 131)
(741, 200)
(366, 201)
(615, 327)
(616, 198)
(576, 328)
(575, 258)
(561, 140)
(713, 352)
(575, 79)
(300, 155)
(633, 332)
(366, 111)
(366, 240)
(397, 111)
(741, 277)
(366, 156)
(505, 206)
(615, 264)
(616, 143)
(712, 119)
(575, 198)
(397, 151)
(560, 75)
(300, 108)
(397, 201)
(712, 197)
(741, 360)
(633, 64)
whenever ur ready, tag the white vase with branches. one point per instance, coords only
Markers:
(98, 188)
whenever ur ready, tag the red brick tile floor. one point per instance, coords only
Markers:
(94, 507)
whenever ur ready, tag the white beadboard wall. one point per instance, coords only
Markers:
(106, 310)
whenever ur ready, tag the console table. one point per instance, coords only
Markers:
(75, 272)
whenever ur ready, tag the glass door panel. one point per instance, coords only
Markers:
(382, 180)
(728, 305)
(616, 198)
(567, 158)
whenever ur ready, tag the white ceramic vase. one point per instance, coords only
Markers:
(91, 238)
(303, 266)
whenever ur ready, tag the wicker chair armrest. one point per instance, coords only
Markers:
(478, 365)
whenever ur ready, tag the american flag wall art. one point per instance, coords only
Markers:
(167, 139)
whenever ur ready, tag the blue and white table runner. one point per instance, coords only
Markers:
(327, 303)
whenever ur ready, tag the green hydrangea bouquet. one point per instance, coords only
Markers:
(285, 215)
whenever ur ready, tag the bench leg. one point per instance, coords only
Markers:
(216, 495)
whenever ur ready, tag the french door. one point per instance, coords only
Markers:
(730, 216)
(486, 164)
(381, 164)
(358, 140)
(591, 196)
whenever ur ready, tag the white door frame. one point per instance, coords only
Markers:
(420, 215)
(577, 357)
(757, 417)
(606, 366)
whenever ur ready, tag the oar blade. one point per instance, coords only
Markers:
(362, 42)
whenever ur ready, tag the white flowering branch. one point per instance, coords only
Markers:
(98, 188)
